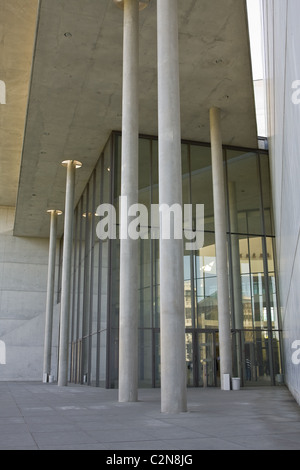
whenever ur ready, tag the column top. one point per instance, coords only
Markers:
(142, 4)
(76, 163)
(58, 212)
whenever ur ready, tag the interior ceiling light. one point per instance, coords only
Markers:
(142, 3)
(68, 35)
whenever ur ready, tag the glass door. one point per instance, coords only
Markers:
(201, 358)
(206, 359)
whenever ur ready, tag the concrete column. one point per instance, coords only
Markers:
(86, 299)
(221, 247)
(71, 166)
(128, 320)
(50, 294)
(172, 320)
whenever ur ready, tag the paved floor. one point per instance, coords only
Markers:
(45, 416)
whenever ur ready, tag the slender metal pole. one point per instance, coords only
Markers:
(237, 301)
(172, 319)
(128, 321)
(221, 248)
(50, 295)
(66, 274)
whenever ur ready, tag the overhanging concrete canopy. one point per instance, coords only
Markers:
(76, 90)
(17, 32)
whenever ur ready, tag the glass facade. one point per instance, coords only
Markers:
(253, 290)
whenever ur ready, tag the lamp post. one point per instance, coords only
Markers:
(71, 166)
(50, 294)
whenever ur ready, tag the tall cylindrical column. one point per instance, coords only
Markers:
(128, 321)
(66, 273)
(86, 299)
(221, 247)
(50, 295)
(172, 320)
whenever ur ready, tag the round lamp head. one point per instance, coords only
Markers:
(142, 4)
(58, 212)
(77, 164)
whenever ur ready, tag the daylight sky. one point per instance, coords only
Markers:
(255, 37)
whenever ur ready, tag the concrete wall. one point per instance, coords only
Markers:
(282, 39)
(23, 282)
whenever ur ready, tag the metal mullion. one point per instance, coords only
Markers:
(231, 286)
(151, 270)
(99, 310)
(266, 273)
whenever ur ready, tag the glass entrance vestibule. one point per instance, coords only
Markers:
(251, 267)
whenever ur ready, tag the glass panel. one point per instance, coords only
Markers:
(185, 174)
(259, 301)
(115, 281)
(189, 359)
(206, 360)
(273, 301)
(256, 255)
(262, 356)
(270, 253)
(266, 193)
(244, 191)
(257, 357)
(113, 358)
(145, 283)
(101, 364)
(117, 146)
(236, 292)
(201, 182)
(145, 358)
(156, 286)
(155, 198)
(188, 300)
(277, 357)
(157, 370)
(246, 302)
(206, 284)
(244, 254)
(144, 172)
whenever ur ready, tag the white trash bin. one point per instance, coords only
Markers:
(236, 383)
